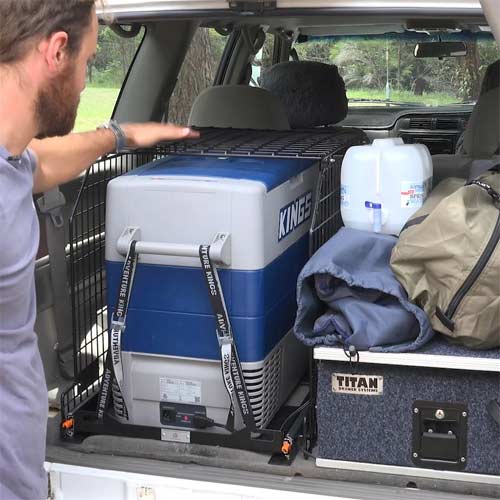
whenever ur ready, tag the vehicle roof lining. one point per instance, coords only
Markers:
(320, 17)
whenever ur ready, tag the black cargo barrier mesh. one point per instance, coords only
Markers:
(87, 224)
(297, 144)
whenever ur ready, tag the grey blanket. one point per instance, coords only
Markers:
(348, 295)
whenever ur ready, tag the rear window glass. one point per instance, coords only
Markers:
(387, 71)
(105, 76)
(262, 60)
(197, 73)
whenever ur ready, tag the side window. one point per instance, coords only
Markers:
(197, 73)
(262, 60)
(105, 76)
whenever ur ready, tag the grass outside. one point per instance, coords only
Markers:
(96, 106)
(429, 98)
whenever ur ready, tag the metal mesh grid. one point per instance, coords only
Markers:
(297, 144)
(87, 275)
(326, 220)
(87, 225)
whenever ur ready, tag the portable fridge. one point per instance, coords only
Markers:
(427, 414)
(170, 355)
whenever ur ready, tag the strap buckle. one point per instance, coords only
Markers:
(51, 203)
(225, 340)
(117, 324)
(352, 355)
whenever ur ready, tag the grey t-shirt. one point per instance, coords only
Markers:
(23, 391)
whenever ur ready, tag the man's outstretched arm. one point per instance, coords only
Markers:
(61, 159)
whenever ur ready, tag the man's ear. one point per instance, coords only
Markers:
(54, 50)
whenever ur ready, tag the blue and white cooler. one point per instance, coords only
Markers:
(256, 213)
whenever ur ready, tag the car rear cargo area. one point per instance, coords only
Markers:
(199, 461)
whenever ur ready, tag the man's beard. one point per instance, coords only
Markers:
(56, 106)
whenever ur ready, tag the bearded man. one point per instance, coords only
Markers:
(45, 47)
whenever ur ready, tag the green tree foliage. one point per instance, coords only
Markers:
(197, 72)
(115, 54)
(364, 64)
(113, 57)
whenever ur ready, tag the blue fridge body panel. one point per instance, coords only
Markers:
(170, 312)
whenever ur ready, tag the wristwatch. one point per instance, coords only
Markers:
(121, 138)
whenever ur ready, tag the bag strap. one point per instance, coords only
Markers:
(493, 193)
(414, 222)
(113, 370)
(232, 371)
(231, 366)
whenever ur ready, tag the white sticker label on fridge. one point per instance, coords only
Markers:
(178, 390)
(369, 385)
(413, 194)
(145, 493)
(345, 196)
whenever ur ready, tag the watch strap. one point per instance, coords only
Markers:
(121, 138)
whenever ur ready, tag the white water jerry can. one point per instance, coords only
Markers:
(383, 184)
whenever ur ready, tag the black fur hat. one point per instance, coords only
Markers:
(313, 93)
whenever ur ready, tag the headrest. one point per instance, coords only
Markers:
(238, 106)
(482, 136)
(491, 78)
(313, 93)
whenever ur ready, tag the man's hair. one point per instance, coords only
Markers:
(25, 22)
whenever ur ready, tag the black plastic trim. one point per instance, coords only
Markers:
(252, 6)
(86, 422)
(456, 414)
(118, 29)
(227, 55)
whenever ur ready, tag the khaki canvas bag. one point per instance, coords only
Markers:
(448, 259)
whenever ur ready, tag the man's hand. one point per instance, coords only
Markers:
(145, 135)
(61, 159)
